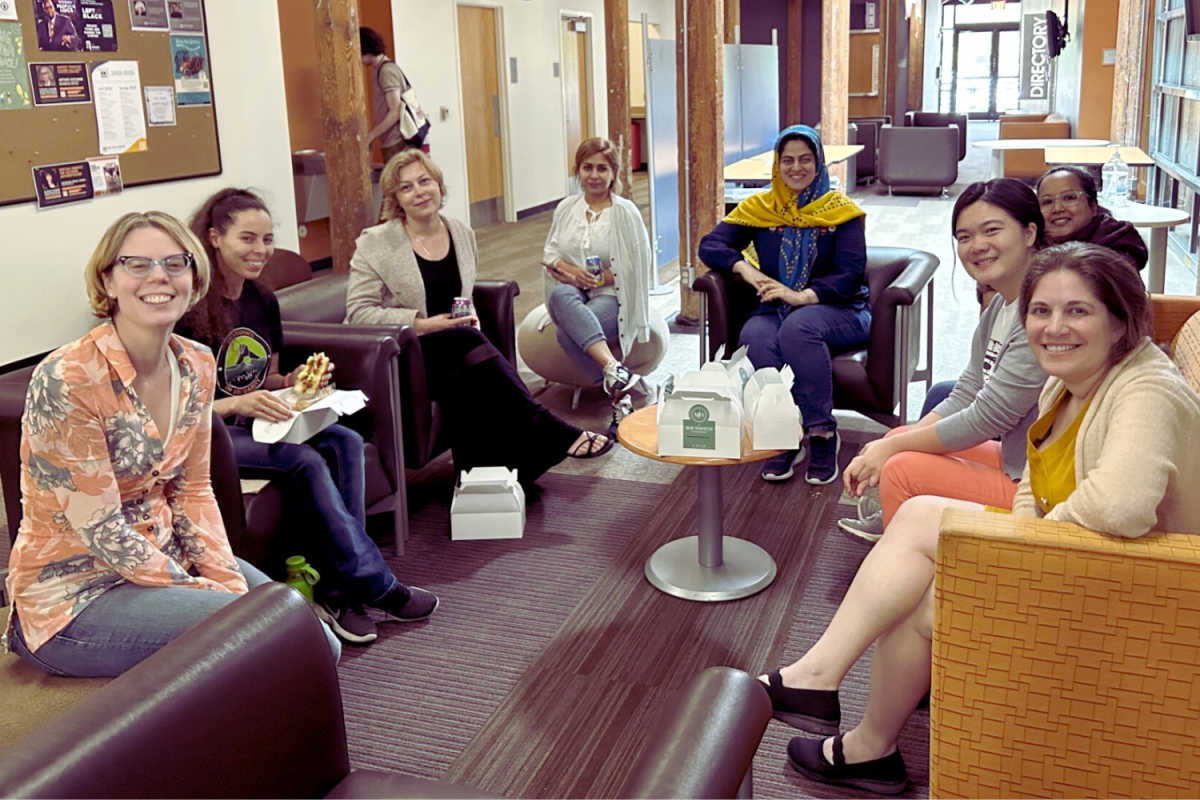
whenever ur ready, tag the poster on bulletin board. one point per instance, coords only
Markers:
(75, 25)
(14, 81)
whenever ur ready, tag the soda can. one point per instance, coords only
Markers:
(461, 307)
(595, 266)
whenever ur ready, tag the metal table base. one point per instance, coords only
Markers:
(710, 567)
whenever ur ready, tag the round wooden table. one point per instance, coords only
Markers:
(711, 566)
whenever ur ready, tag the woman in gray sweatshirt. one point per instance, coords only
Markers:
(953, 450)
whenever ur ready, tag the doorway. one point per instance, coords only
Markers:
(575, 41)
(483, 123)
(985, 77)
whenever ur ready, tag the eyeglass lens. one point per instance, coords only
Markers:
(141, 267)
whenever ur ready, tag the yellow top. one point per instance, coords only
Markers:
(1052, 468)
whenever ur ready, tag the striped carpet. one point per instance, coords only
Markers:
(415, 698)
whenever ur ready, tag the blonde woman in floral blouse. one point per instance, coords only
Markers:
(121, 547)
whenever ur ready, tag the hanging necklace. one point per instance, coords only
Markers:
(421, 246)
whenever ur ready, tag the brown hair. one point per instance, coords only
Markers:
(389, 181)
(597, 146)
(1109, 276)
(104, 257)
(213, 319)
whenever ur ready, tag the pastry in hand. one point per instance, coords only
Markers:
(308, 382)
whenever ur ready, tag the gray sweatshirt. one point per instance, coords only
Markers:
(1005, 406)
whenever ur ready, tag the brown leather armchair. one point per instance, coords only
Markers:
(932, 119)
(324, 300)
(873, 381)
(247, 704)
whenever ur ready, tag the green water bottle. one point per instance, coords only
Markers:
(301, 577)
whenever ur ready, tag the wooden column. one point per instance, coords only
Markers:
(344, 109)
(616, 42)
(733, 18)
(1129, 75)
(701, 109)
(793, 106)
(835, 76)
(916, 58)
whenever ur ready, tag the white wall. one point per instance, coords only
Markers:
(43, 303)
(427, 48)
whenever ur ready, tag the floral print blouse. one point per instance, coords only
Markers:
(105, 499)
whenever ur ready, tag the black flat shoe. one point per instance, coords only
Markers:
(813, 710)
(886, 775)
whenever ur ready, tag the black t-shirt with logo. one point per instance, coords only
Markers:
(244, 356)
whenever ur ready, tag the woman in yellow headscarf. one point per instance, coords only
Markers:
(803, 248)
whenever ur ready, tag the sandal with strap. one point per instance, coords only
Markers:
(587, 446)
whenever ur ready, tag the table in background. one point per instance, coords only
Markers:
(999, 146)
(1158, 219)
(757, 169)
(711, 566)
(1094, 158)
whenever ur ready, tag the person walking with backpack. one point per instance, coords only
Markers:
(399, 121)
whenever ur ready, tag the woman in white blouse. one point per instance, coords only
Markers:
(598, 262)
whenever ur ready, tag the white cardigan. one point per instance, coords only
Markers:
(1137, 453)
(631, 260)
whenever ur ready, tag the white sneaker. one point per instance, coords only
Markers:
(869, 529)
(618, 380)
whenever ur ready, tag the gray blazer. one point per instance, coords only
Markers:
(1005, 406)
(385, 286)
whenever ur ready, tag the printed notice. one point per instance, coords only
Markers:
(147, 15)
(14, 80)
(190, 61)
(59, 83)
(160, 105)
(185, 16)
(106, 175)
(62, 183)
(8, 9)
(117, 91)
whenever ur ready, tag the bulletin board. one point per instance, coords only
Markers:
(88, 112)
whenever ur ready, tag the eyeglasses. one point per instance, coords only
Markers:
(140, 267)
(1067, 198)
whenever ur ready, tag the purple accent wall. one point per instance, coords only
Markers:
(758, 18)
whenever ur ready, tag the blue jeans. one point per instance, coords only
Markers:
(129, 623)
(937, 393)
(582, 322)
(325, 483)
(806, 339)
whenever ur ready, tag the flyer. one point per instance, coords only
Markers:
(185, 16)
(62, 183)
(147, 15)
(74, 25)
(120, 122)
(190, 61)
(14, 78)
(59, 83)
(106, 175)
(160, 105)
(8, 9)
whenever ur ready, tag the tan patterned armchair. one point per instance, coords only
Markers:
(1066, 663)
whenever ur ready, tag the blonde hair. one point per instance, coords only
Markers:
(604, 147)
(104, 257)
(389, 182)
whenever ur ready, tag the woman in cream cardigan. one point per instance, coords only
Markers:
(408, 271)
(609, 299)
(1115, 449)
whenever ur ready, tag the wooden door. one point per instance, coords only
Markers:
(480, 66)
(576, 82)
(869, 57)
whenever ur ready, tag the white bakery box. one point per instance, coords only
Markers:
(772, 416)
(700, 415)
(488, 504)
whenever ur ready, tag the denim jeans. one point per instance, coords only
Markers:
(937, 393)
(582, 322)
(806, 339)
(325, 483)
(129, 623)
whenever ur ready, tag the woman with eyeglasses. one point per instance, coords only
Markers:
(1072, 212)
(121, 547)
(325, 476)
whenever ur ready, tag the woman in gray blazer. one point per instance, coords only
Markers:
(408, 271)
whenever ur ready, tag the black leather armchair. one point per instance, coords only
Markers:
(325, 301)
(868, 137)
(873, 381)
(247, 704)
